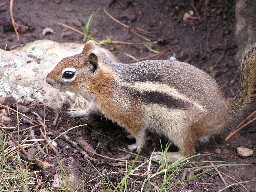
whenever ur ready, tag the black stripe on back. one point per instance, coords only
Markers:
(154, 97)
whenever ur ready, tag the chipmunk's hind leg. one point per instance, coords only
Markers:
(186, 144)
(186, 149)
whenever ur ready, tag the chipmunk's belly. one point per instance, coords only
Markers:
(165, 121)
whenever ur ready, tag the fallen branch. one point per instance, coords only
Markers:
(243, 124)
(127, 27)
(13, 21)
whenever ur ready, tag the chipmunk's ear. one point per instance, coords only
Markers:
(93, 62)
(89, 45)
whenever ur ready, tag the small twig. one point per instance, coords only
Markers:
(207, 40)
(241, 125)
(56, 118)
(118, 42)
(17, 144)
(145, 32)
(39, 120)
(247, 118)
(49, 142)
(23, 115)
(192, 5)
(126, 26)
(8, 128)
(81, 33)
(236, 182)
(220, 175)
(222, 55)
(92, 152)
(132, 57)
(151, 56)
(139, 35)
(152, 50)
(39, 183)
(114, 19)
(239, 128)
(76, 146)
(25, 129)
(72, 28)
(20, 25)
(13, 21)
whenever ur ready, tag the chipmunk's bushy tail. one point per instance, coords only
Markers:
(247, 93)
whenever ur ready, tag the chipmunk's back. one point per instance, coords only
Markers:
(173, 78)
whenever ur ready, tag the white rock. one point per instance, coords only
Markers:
(23, 71)
(47, 31)
(191, 12)
(172, 58)
(244, 152)
(186, 16)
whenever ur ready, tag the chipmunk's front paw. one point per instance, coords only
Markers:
(168, 157)
(140, 141)
(134, 147)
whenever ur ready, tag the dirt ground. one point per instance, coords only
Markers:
(206, 40)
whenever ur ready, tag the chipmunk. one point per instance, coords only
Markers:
(171, 98)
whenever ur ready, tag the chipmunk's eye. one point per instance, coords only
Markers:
(68, 74)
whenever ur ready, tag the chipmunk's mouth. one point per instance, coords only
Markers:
(58, 85)
(50, 81)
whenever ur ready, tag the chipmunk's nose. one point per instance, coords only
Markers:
(49, 80)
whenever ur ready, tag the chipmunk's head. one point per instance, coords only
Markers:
(83, 73)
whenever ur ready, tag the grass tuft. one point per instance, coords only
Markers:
(88, 34)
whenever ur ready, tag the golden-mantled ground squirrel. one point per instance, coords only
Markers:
(171, 98)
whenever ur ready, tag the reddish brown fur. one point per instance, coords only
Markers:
(103, 85)
(74, 61)
(191, 136)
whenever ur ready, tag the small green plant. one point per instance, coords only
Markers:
(106, 41)
(14, 170)
(86, 28)
(65, 179)
(149, 47)
(105, 184)
(88, 34)
(122, 185)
